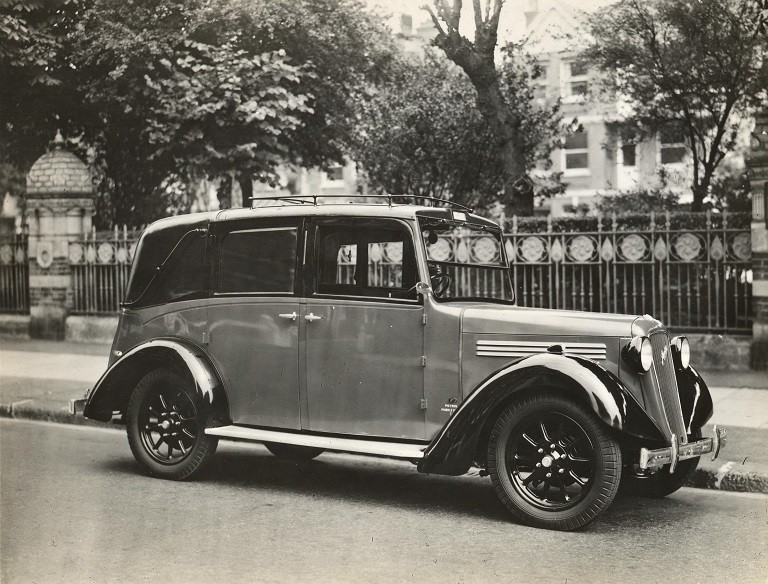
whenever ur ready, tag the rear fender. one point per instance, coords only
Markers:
(453, 449)
(112, 392)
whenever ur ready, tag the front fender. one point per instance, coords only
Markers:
(113, 389)
(453, 449)
(695, 399)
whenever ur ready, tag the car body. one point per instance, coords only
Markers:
(391, 330)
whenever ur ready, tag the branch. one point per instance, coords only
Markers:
(435, 20)
(493, 22)
(478, 14)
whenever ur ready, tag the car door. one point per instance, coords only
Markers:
(253, 320)
(364, 330)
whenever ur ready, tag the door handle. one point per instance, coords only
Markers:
(311, 317)
(292, 316)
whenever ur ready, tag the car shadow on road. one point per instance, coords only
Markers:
(397, 484)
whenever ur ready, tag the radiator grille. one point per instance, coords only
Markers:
(667, 384)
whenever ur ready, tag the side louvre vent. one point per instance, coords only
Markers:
(485, 348)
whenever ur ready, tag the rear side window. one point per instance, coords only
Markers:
(179, 275)
(258, 261)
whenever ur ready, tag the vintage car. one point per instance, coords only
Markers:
(390, 329)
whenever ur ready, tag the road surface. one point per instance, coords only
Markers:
(74, 507)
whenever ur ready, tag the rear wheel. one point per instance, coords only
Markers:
(166, 426)
(292, 452)
(552, 462)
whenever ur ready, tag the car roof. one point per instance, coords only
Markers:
(393, 211)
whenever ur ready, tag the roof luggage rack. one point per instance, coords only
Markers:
(390, 199)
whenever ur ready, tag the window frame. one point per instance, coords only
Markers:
(671, 146)
(312, 259)
(581, 171)
(250, 225)
(328, 182)
(568, 79)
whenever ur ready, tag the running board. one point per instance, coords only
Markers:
(390, 449)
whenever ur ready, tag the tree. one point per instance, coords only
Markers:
(340, 42)
(698, 66)
(161, 94)
(477, 59)
(422, 134)
(34, 102)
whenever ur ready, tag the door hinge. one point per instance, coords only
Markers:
(423, 319)
(423, 361)
(423, 404)
(206, 339)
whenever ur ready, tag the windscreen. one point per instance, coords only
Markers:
(466, 261)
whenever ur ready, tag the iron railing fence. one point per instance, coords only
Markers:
(694, 279)
(101, 264)
(14, 273)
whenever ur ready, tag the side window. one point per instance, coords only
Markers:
(374, 260)
(258, 261)
(183, 274)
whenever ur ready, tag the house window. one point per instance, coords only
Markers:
(334, 175)
(672, 145)
(629, 155)
(576, 80)
(576, 153)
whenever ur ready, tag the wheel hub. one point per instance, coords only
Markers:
(547, 461)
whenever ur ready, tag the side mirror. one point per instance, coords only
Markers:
(423, 288)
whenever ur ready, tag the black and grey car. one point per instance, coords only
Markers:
(391, 330)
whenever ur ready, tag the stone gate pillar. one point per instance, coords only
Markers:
(758, 166)
(60, 206)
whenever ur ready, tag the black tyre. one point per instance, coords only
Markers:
(166, 427)
(291, 452)
(552, 462)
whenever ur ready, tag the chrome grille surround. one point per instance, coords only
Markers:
(663, 377)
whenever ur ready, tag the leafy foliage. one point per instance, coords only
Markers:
(34, 101)
(159, 94)
(628, 222)
(422, 134)
(698, 65)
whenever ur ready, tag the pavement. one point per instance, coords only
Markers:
(38, 378)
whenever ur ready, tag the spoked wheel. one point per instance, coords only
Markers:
(166, 429)
(552, 462)
(291, 452)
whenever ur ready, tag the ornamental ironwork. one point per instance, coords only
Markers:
(532, 249)
(687, 246)
(582, 249)
(633, 247)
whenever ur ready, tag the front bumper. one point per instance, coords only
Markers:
(653, 459)
(77, 406)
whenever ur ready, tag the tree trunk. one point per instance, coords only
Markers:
(518, 189)
(245, 179)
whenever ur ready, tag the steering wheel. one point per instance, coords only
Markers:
(440, 283)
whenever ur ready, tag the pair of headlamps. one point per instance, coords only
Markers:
(639, 353)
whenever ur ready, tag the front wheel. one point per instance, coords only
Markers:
(552, 462)
(166, 426)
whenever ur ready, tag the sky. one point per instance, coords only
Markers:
(511, 23)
